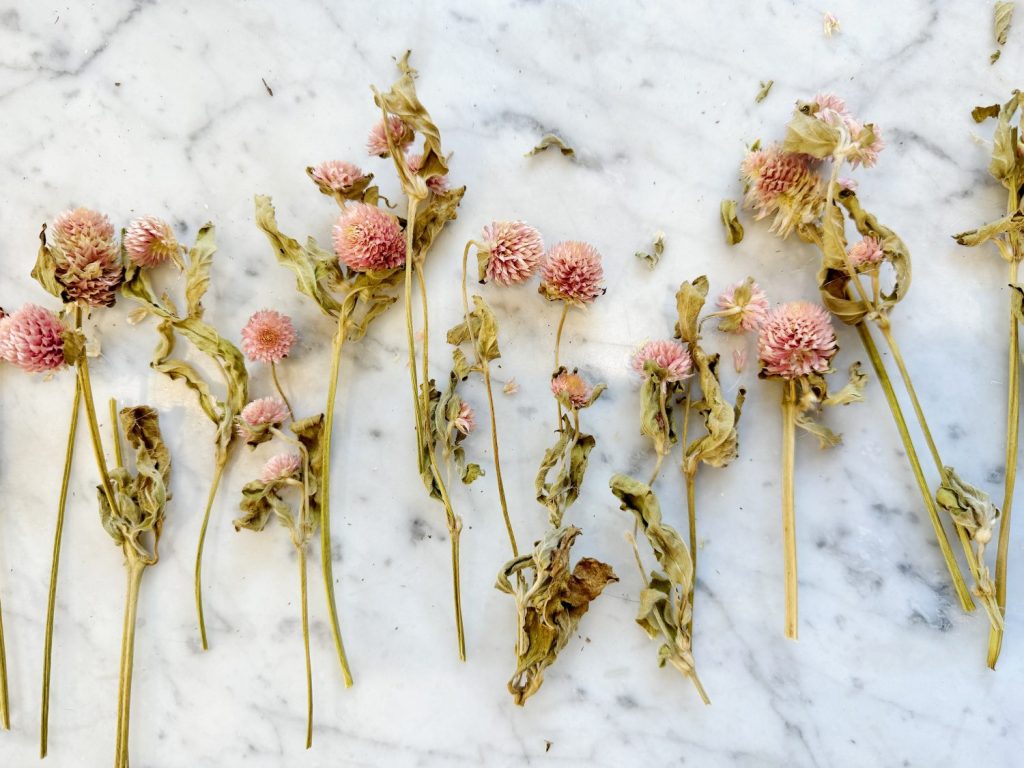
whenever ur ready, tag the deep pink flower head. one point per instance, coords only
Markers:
(368, 239)
(33, 339)
(401, 136)
(268, 336)
(265, 411)
(281, 467)
(435, 184)
(866, 253)
(797, 339)
(88, 260)
(465, 422)
(670, 357)
(783, 184)
(572, 388)
(514, 249)
(572, 272)
(337, 174)
(748, 313)
(149, 242)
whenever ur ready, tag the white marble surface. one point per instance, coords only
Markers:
(159, 108)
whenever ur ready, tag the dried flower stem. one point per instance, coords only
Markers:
(135, 566)
(221, 462)
(280, 390)
(558, 348)
(305, 643)
(788, 505)
(690, 478)
(51, 602)
(5, 702)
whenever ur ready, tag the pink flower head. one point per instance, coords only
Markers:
(337, 174)
(33, 339)
(783, 184)
(869, 145)
(797, 339)
(280, 467)
(368, 239)
(747, 313)
(88, 260)
(265, 411)
(401, 136)
(149, 242)
(268, 336)
(831, 109)
(465, 422)
(514, 249)
(571, 389)
(572, 272)
(435, 184)
(670, 359)
(866, 254)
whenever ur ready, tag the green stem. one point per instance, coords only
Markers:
(222, 459)
(789, 506)
(136, 567)
(280, 390)
(5, 702)
(305, 643)
(94, 429)
(558, 349)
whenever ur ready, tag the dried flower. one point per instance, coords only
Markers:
(338, 174)
(572, 272)
(265, 411)
(33, 339)
(831, 109)
(435, 184)
(280, 467)
(401, 135)
(571, 388)
(149, 242)
(866, 253)
(511, 386)
(368, 239)
(747, 312)
(830, 24)
(797, 339)
(868, 146)
(739, 360)
(268, 336)
(82, 223)
(783, 184)
(513, 250)
(669, 357)
(465, 422)
(88, 261)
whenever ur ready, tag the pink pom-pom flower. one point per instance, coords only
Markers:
(748, 314)
(436, 184)
(866, 254)
(33, 339)
(280, 467)
(268, 336)
(572, 272)
(514, 249)
(368, 239)
(337, 174)
(796, 339)
(831, 109)
(784, 185)
(88, 260)
(571, 389)
(669, 358)
(149, 242)
(465, 422)
(401, 136)
(265, 411)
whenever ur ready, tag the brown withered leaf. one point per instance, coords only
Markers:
(570, 453)
(981, 114)
(721, 443)
(731, 222)
(552, 140)
(808, 135)
(690, 300)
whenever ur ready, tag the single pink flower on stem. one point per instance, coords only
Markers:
(783, 184)
(281, 467)
(265, 411)
(572, 272)
(33, 339)
(747, 313)
(465, 422)
(88, 260)
(671, 359)
(571, 388)
(514, 249)
(796, 340)
(268, 336)
(400, 133)
(866, 254)
(337, 174)
(149, 242)
(435, 184)
(368, 239)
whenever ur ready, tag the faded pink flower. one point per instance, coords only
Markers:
(514, 249)
(401, 135)
(572, 388)
(868, 147)
(831, 109)
(465, 422)
(435, 184)
(268, 336)
(368, 239)
(88, 260)
(337, 174)
(671, 359)
(33, 339)
(572, 272)
(280, 467)
(797, 339)
(749, 313)
(149, 242)
(783, 184)
(265, 411)
(866, 254)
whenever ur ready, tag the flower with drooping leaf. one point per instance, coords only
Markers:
(866, 254)
(400, 133)
(260, 417)
(509, 252)
(784, 185)
(337, 174)
(435, 184)
(571, 389)
(149, 242)
(667, 360)
(465, 422)
(281, 466)
(743, 307)
(367, 239)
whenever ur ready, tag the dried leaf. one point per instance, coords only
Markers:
(690, 300)
(657, 249)
(552, 140)
(721, 443)
(570, 452)
(656, 420)
(808, 135)
(1006, 165)
(766, 86)
(45, 270)
(441, 208)
(669, 549)
(1013, 222)
(733, 228)
(197, 274)
(481, 329)
(981, 114)
(1002, 17)
(852, 391)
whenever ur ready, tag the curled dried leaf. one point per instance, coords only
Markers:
(570, 453)
(762, 94)
(731, 222)
(1002, 17)
(552, 140)
(657, 250)
(807, 135)
(690, 300)
(721, 443)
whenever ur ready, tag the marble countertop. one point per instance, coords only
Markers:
(160, 108)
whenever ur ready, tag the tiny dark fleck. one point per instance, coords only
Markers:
(547, 745)
(270, 91)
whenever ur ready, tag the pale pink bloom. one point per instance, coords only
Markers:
(265, 411)
(866, 253)
(401, 136)
(751, 313)
(268, 336)
(572, 388)
(281, 467)
(783, 184)
(149, 242)
(514, 249)
(337, 174)
(510, 388)
(670, 358)
(739, 359)
(33, 339)
(435, 184)
(797, 339)
(847, 184)
(572, 272)
(88, 260)
(831, 109)
(867, 154)
(465, 422)
(368, 239)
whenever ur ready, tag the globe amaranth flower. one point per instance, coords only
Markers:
(337, 174)
(33, 339)
(368, 239)
(670, 360)
(88, 261)
(572, 272)
(268, 336)
(744, 307)
(796, 339)
(149, 242)
(513, 250)
(571, 389)
(259, 416)
(465, 422)
(866, 254)
(280, 467)
(401, 136)
(435, 184)
(785, 185)
(865, 141)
